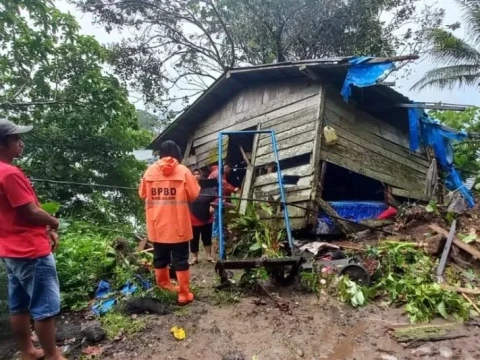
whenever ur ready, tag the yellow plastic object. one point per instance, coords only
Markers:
(178, 333)
(330, 135)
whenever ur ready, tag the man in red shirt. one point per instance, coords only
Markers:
(27, 238)
(227, 188)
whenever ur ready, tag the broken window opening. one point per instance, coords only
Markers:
(293, 162)
(239, 150)
(341, 184)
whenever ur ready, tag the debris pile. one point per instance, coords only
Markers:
(429, 266)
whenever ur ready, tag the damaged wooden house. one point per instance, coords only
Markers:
(358, 175)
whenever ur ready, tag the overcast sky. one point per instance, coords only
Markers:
(468, 96)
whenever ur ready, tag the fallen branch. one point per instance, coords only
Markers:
(471, 303)
(457, 242)
(460, 290)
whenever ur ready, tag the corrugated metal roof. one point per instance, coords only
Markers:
(232, 81)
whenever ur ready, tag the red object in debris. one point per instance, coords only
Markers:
(391, 212)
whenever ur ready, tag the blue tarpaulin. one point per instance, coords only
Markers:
(423, 129)
(106, 298)
(414, 116)
(350, 210)
(432, 133)
(363, 74)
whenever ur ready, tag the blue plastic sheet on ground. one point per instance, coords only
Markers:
(106, 299)
(363, 74)
(350, 210)
(103, 289)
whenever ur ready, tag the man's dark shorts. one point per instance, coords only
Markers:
(33, 287)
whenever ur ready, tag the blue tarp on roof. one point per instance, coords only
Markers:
(363, 74)
(423, 130)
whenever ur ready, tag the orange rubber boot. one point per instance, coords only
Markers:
(184, 296)
(163, 280)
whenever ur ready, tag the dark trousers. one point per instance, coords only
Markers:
(204, 231)
(176, 253)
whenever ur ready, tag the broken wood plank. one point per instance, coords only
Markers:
(425, 332)
(409, 194)
(446, 250)
(456, 241)
(460, 290)
(304, 182)
(142, 243)
(249, 175)
(343, 226)
(271, 178)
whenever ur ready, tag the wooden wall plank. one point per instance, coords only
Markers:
(285, 154)
(293, 141)
(284, 123)
(377, 149)
(255, 101)
(373, 137)
(289, 129)
(252, 117)
(272, 178)
(365, 163)
(303, 182)
(367, 122)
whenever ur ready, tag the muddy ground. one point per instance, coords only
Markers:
(220, 326)
(229, 325)
(314, 328)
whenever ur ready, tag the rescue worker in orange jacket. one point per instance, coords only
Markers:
(167, 188)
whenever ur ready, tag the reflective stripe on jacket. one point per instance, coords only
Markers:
(167, 188)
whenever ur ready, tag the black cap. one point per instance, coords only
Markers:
(9, 128)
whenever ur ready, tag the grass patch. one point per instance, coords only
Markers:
(115, 323)
(225, 297)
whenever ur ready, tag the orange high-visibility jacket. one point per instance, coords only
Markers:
(167, 187)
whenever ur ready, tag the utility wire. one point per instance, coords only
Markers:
(273, 202)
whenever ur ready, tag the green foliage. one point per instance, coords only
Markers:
(466, 153)
(349, 291)
(116, 324)
(254, 235)
(51, 207)
(83, 259)
(85, 128)
(202, 39)
(87, 255)
(460, 58)
(408, 278)
(310, 280)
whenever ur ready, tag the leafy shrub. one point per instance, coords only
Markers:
(408, 278)
(83, 259)
(254, 235)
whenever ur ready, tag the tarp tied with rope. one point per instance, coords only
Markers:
(363, 74)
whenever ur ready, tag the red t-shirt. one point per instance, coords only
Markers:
(18, 238)
(196, 222)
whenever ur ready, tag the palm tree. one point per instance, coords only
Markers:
(460, 57)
